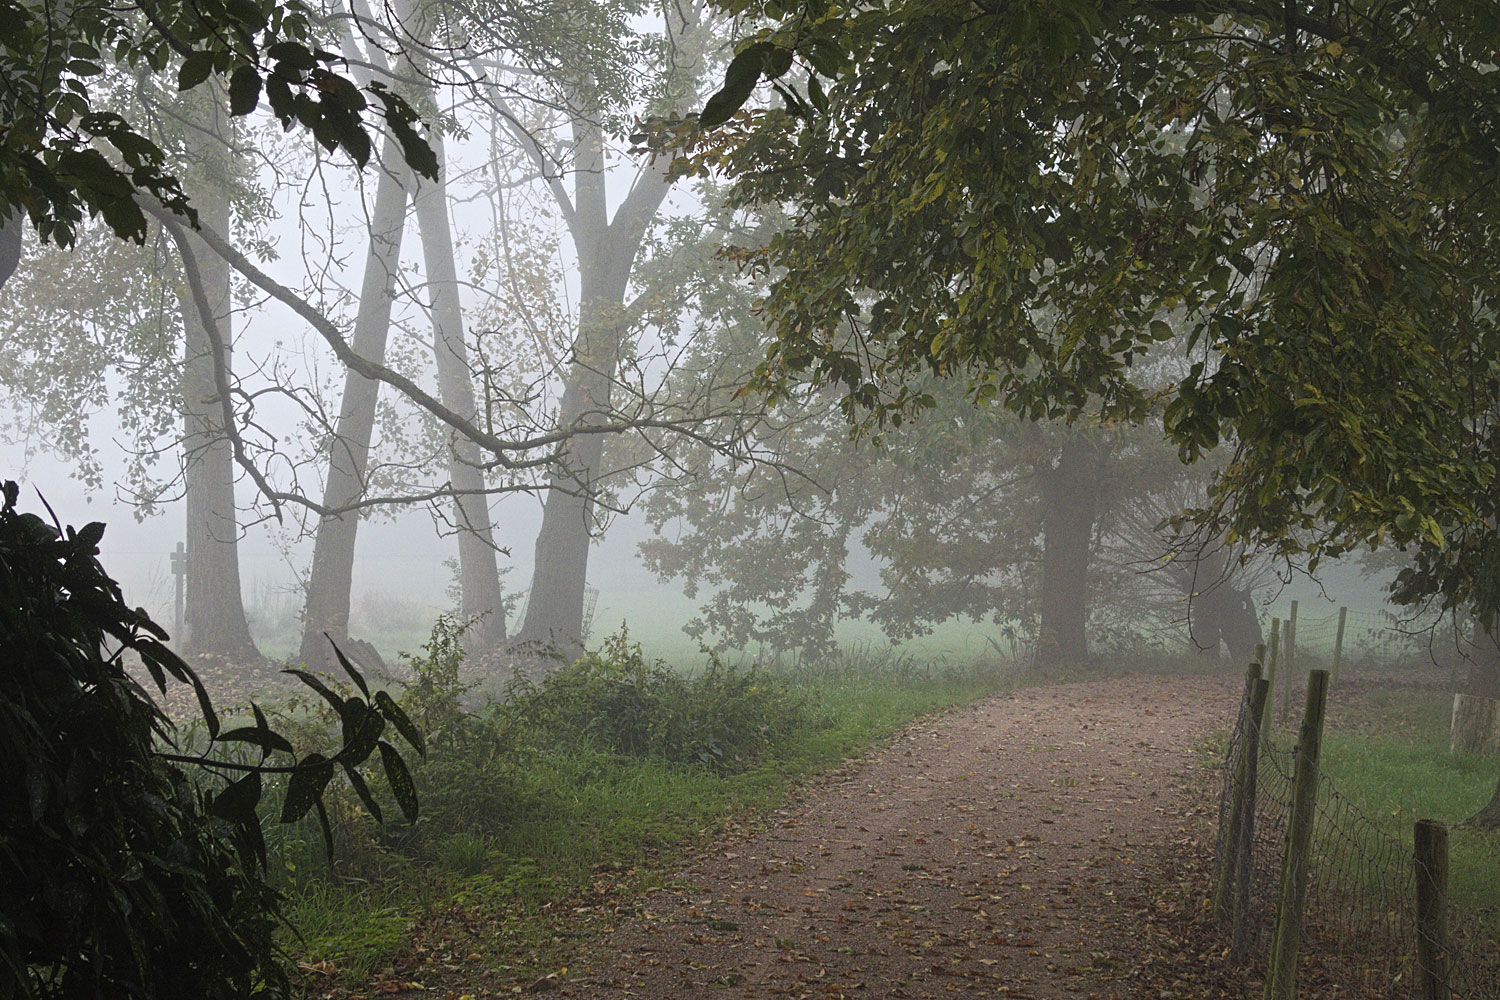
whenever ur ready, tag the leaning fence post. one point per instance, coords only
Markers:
(1243, 738)
(1281, 982)
(1338, 642)
(1265, 719)
(1432, 910)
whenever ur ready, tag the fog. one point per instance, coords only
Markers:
(748, 498)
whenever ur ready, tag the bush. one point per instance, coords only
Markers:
(115, 877)
(119, 875)
(723, 718)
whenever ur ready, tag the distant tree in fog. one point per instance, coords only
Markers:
(1035, 528)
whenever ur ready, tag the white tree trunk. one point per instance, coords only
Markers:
(479, 576)
(332, 574)
(214, 611)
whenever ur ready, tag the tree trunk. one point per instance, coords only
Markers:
(554, 609)
(1475, 728)
(606, 253)
(479, 576)
(1070, 494)
(214, 612)
(1483, 686)
(1487, 818)
(332, 574)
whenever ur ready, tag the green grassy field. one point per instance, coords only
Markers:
(1386, 750)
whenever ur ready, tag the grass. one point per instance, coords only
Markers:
(1387, 752)
(522, 817)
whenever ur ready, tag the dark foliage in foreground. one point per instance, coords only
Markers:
(120, 875)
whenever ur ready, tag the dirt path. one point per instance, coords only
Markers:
(1008, 849)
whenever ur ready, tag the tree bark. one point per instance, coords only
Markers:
(1070, 497)
(1475, 728)
(554, 608)
(214, 611)
(1487, 818)
(606, 253)
(1484, 681)
(479, 575)
(332, 573)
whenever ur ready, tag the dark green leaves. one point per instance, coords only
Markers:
(400, 118)
(195, 69)
(402, 787)
(89, 792)
(362, 720)
(265, 738)
(244, 90)
(759, 59)
(349, 668)
(397, 718)
(260, 49)
(236, 803)
(1043, 196)
(306, 786)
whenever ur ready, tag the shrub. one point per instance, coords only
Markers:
(119, 875)
(114, 877)
(723, 718)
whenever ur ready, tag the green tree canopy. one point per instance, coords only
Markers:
(1031, 196)
(65, 148)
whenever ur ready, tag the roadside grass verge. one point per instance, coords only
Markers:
(595, 780)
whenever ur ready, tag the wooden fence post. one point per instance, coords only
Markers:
(178, 563)
(1241, 739)
(1432, 910)
(1338, 642)
(1265, 719)
(1281, 981)
(1288, 663)
(1245, 832)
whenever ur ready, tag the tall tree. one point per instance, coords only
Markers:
(332, 572)
(118, 337)
(1069, 488)
(214, 611)
(1308, 195)
(480, 598)
(607, 246)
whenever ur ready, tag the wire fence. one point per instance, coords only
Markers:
(1360, 914)
(1372, 640)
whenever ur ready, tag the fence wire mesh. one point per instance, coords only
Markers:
(1361, 900)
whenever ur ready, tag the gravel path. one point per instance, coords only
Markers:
(1006, 849)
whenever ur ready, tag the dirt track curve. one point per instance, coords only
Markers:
(1004, 849)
